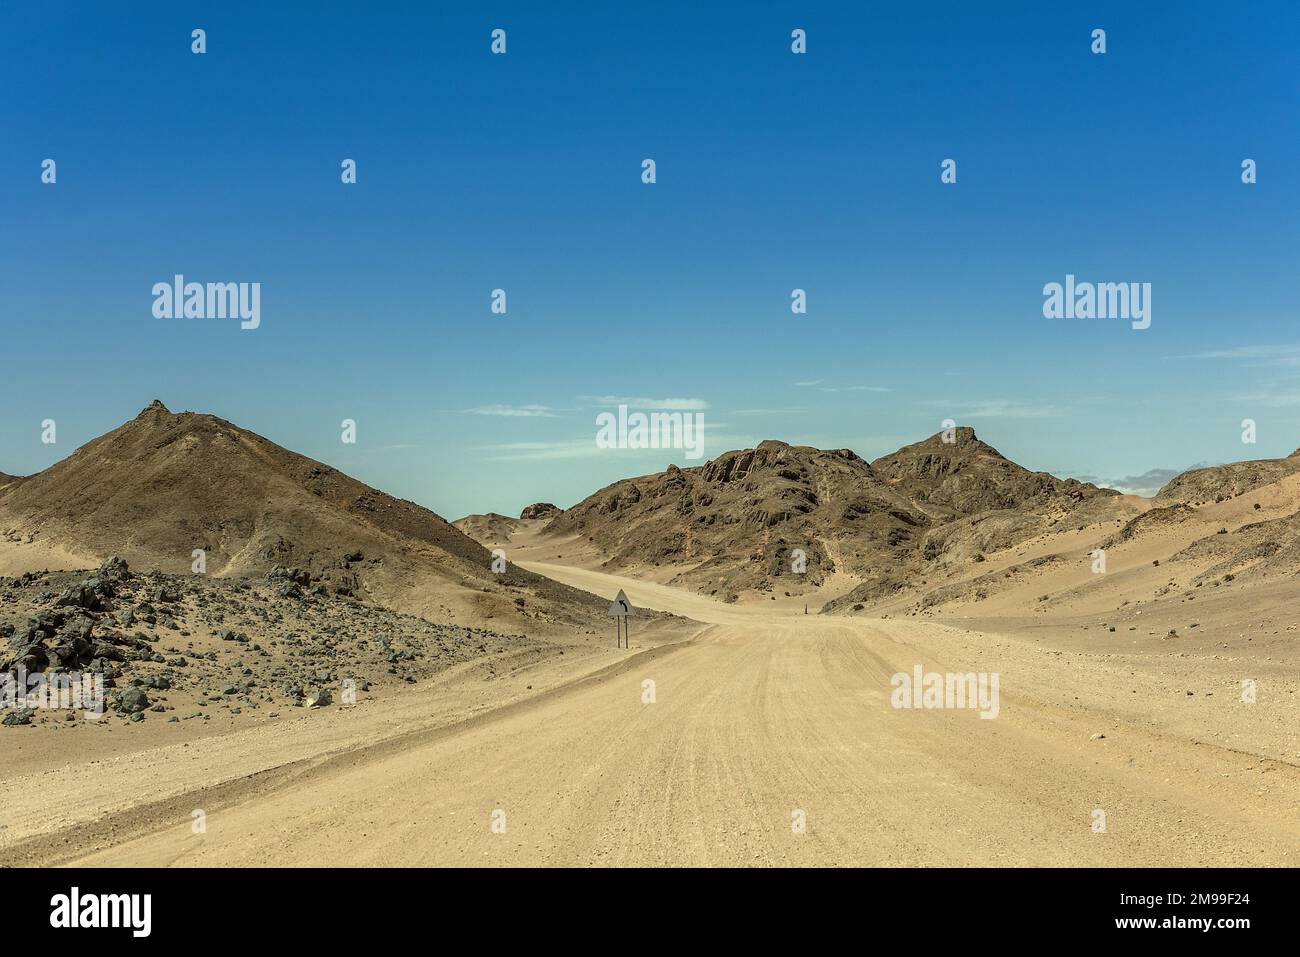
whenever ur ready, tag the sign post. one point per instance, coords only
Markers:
(621, 610)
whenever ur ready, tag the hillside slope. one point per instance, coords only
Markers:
(164, 485)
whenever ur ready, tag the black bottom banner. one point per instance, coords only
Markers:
(146, 906)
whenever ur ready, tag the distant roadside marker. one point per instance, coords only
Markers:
(621, 610)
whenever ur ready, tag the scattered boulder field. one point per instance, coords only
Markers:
(194, 648)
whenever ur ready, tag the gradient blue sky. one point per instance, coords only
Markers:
(775, 171)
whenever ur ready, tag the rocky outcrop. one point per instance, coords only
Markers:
(540, 510)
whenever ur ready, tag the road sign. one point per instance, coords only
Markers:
(621, 608)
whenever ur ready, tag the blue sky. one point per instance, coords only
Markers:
(775, 171)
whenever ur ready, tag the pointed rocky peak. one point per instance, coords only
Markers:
(954, 470)
(961, 441)
(941, 454)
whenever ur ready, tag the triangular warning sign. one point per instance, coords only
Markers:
(621, 607)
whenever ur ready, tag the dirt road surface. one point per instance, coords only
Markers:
(767, 739)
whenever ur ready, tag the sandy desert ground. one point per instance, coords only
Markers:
(759, 713)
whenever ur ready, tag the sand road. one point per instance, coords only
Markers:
(763, 720)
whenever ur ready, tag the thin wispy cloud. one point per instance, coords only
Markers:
(996, 409)
(1273, 400)
(585, 447)
(1282, 354)
(514, 411)
(542, 451)
(641, 402)
(820, 386)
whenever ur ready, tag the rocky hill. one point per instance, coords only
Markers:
(737, 522)
(734, 522)
(492, 529)
(488, 529)
(1228, 529)
(164, 486)
(1219, 482)
(966, 476)
(540, 510)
